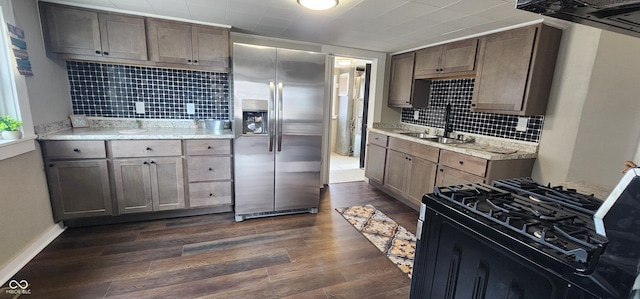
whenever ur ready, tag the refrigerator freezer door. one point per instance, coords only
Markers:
(300, 102)
(254, 77)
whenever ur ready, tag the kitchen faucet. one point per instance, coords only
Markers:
(447, 120)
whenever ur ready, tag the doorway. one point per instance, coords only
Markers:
(349, 95)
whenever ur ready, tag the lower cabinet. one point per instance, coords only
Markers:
(209, 172)
(145, 185)
(407, 173)
(79, 188)
(374, 170)
(407, 170)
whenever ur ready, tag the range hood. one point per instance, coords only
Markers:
(622, 16)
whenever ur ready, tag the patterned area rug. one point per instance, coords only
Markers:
(393, 240)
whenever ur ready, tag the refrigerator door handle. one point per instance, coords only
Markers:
(279, 133)
(271, 113)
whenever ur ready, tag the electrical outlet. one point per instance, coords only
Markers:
(522, 124)
(140, 107)
(416, 115)
(191, 108)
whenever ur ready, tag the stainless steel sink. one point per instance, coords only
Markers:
(434, 138)
(420, 135)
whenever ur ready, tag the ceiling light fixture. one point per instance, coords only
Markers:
(344, 61)
(318, 4)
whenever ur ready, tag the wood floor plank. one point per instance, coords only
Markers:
(211, 256)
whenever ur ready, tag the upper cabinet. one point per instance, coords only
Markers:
(86, 34)
(181, 43)
(515, 70)
(83, 34)
(403, 91)
(457, 59)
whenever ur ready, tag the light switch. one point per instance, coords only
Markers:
(522, 124)
(191, 108)
(416, 115)
(140, 107)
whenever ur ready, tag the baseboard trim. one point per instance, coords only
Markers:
(30, 252)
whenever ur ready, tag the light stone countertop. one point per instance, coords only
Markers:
(480, 150)
(114, 133)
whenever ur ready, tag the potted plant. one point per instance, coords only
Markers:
(9, 127)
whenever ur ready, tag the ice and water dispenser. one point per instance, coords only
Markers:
(255, 116)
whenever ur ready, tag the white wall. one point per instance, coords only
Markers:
(25, 209)
(610, 122)
(576, 57)
(49, 87)
(591, 126)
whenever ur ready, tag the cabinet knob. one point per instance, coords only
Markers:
(441, 170)
(208, 147)
(105, 53)
(51, 165)
(148, 148)
(189, 60)
(97, 52)
(145, 163)
(210, 194)
(461, 162)
(406, 102)
(76, 150)
(153, 162)
(195, 61)
(473, 105)
(210, 169)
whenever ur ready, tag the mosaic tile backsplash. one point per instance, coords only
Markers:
(110, 90)
(458, 92)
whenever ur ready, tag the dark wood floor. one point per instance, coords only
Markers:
(297, 256)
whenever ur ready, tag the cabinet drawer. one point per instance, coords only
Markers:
(378, 139)
(145, 148)
(75, 149)
(473, 165)
(209, 168)
(426, 152)
(208, 147)
(209, 194)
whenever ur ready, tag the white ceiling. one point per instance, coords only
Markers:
(378, 25)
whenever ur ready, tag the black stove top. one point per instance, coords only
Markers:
(555, 229)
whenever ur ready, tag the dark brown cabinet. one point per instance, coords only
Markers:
(151, 184)
(448, 60)
(515, 70)
(185, 44)
(76, 33)
(209, 172)
(410, 169)
(376, 155)
(78, 179)
(403, 90)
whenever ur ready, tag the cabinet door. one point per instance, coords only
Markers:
(167, 183)
(503, 70)
(396, 171)
(428, 62)
(123, 36)
(459, 56)
(169, 42)
(401, 82)
(422, 176)
(376, 157)
(71, 30)
(210, 46)
(133, 185)
(448, 176)
(79, 189)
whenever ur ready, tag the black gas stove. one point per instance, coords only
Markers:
(519, 239)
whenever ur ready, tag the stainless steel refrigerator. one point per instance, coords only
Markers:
(279, 105)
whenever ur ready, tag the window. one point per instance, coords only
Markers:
(13, 91)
